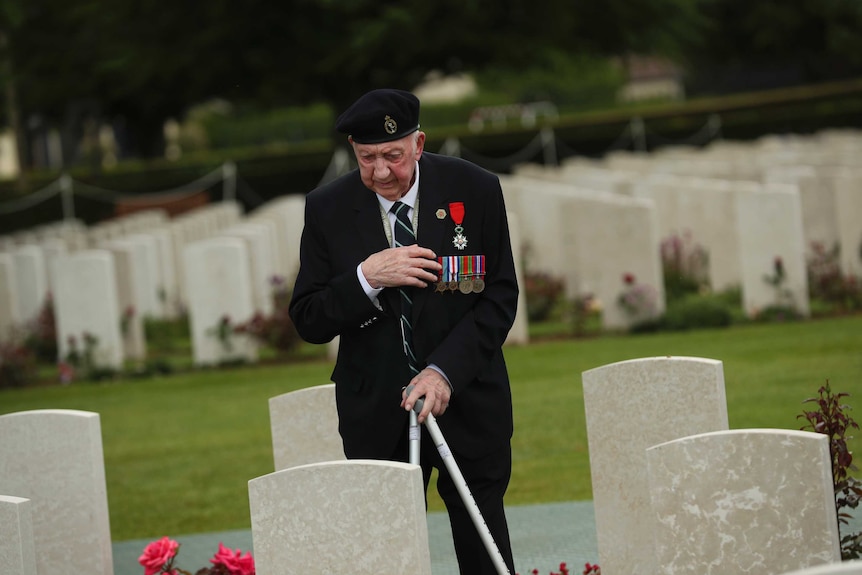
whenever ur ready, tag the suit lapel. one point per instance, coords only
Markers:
(368, 221)
(369, 225)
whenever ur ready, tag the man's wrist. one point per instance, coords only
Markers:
(443, 375)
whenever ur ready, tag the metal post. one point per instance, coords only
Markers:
(638, 134)
(549, 146)
(229, 177)
(67, 195)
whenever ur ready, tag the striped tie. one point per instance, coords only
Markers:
(404, 236)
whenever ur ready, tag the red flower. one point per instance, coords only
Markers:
(67, 372)
(158, 555)
(628, 279)
(234, 561)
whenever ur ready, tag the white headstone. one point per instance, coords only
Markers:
(663, 190)
(9, 309)
(218, 279)
(168, 289)
(770, 231)
(816, 201)
(519, 334)
(743, 501)
(304, 426)
(87, 302)
(52, 249)
(706, 210)
(359, 516)
(178, 232)
(54, 458)
(32, 281)
(131, 319)
(17, 554)
(609, 239)
(848, 205)
(289, 211)
(259, 241)
(630, 406)
(148, 257)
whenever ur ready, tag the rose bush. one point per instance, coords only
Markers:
(158, 559)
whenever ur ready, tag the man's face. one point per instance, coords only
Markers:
(388, 168)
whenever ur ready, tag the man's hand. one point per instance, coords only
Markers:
(404, 266)
(434, 387)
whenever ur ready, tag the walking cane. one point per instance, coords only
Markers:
(457, 478)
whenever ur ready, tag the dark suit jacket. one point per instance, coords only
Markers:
(462, 334)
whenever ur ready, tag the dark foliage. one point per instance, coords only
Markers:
(831, 419)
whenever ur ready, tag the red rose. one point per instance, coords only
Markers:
(157, 555)
(234, 561)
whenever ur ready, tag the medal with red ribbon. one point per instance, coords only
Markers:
(456, 210)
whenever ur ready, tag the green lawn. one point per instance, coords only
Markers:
(179, 450)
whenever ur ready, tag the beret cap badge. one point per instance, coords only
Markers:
(390, 125)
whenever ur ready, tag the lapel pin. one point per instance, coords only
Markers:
(441, 213)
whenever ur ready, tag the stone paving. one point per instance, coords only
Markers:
(542, 536)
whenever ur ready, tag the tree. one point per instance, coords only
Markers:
(795, 41)
(138, 62)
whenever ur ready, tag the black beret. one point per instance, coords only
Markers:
(380, 116)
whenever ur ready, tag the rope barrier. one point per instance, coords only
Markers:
(247, 193)
(621, 142)
(340, 164)
(174, 194)
(710, 131)
(31, 200)
(633, 135)
(502, 164)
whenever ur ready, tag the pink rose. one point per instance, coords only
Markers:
(233, 561)
(157, 555)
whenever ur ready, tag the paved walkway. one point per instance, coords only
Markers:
(542, 537)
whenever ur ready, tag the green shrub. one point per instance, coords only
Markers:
(697, 312)
(778, 313)
(231, 129)
(832, 419)
(163, 333)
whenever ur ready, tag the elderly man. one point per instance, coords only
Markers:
(408, 260)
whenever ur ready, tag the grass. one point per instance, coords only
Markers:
(180, 449)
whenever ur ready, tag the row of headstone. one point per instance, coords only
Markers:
(305, 517)
(824, 167)
(239, 256)
(745, 226)
(676, 492)
(591, 223)
(148, 256)
(590, 239)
